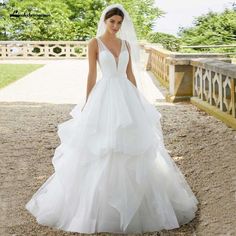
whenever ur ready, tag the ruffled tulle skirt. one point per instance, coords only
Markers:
(112, 171)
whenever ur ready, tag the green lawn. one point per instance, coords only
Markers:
(11, 72)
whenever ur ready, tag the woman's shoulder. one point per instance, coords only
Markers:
(92, 41)
(92, 45)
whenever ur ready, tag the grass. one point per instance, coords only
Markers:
(12, 72)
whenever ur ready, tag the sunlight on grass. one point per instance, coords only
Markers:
(12, 72)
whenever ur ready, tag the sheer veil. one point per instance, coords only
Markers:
(127, 32)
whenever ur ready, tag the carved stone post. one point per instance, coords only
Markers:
(180, 80)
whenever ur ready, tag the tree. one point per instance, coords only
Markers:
(211, 29)
(67, 20)
(168, 41)
(18, 24)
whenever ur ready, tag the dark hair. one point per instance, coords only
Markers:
(114, 11)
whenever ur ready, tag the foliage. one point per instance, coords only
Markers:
(67, 20)
(168, 41)
(54, 27)
(211, 29)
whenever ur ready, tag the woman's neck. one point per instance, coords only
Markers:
(109, 37)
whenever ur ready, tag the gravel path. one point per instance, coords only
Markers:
(203, 147)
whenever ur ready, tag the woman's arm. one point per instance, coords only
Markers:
(129, 70)
(92, 60)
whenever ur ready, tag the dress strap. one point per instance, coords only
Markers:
(100, 44)
(126, 46)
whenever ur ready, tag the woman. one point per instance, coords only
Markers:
(112, 171)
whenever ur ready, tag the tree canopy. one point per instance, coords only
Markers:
(211, 29)
(67, 20)
(208, 29)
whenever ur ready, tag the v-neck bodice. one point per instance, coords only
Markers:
(107, 61)
(121, 47)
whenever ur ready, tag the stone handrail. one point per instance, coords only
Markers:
(232, 46)
(206, 79)
(43, 49)
(211, 46)
(215, 82)
(159, 60)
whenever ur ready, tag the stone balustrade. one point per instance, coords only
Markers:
(157, 63)
(207, 80)
(42, 49)
(214, 88)
(160, 60)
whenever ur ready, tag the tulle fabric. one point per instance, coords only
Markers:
(112, 171)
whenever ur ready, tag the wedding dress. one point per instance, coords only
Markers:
(112, 171)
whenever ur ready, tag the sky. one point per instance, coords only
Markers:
(182, 12)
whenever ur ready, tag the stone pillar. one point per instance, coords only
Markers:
(180, 80)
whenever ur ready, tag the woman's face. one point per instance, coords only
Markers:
(114, 23)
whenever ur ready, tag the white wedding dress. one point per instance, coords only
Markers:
(112, 171)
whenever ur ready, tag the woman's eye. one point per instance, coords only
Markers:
(112, 21)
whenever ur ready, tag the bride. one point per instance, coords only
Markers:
(112, 171)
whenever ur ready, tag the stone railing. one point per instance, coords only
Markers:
(207, 80)
(159, 60)
(212, 46)
(46, 49)
(157, 63)
(42, 49)
(215, 83)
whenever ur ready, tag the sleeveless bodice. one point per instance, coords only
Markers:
(110, 67)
